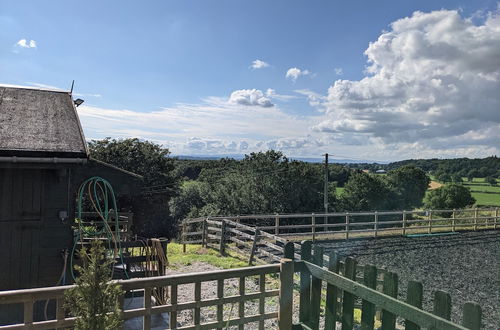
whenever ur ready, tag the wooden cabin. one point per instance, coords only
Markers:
(43, 161)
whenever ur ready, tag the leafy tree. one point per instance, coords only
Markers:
(366, 192)
(491, 180)
(95, 301)
(150, 207)
(456, 178)
(410, 184)
(449, 197)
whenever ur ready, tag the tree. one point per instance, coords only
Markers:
(150, 207)
(449, 197)
(366, 192)
(410, 184)
(491, 180)
(95, 301)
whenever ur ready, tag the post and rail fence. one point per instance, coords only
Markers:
(302, 285)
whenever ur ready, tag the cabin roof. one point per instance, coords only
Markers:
(39, 122)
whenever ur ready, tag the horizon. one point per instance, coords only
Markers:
(369, 82)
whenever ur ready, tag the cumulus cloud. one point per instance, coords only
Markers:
(258, 64)
(433, 77)
(24, 43)
(250, 97)
(295, 73)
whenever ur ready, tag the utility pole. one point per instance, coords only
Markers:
(325, 202)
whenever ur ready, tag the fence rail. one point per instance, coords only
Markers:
(347, 225)
(314, 280)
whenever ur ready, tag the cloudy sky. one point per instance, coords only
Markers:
(370, 80)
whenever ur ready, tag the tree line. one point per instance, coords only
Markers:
(263, 182)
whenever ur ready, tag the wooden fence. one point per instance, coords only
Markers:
(348, 225)
(340, 292)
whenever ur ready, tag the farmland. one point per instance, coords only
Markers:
(484, 193)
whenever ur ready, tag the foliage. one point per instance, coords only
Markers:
(409, 184)
(449, 197)
(491, 180)
(95, 301)
(150, 206)
(366, 192)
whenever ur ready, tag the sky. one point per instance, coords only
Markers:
(362, 80)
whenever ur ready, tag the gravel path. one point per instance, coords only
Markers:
(466, 265)
(231, 287)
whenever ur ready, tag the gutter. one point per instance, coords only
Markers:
(44, 160)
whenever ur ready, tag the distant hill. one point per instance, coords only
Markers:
(302, 159)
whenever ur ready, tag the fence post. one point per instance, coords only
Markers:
(429, 230)
(472, 316)
(28, 313)
(184, 229)
(348, 299)
(375, 225)
(390, 288)
(475, 218)
(496, 218)
(316, 288)
(404, 222)
(347, 225)
(277, 225)
(313, 224)
(332, 294)
(414, 297)
(305, 283)
(453, 220)
(442, 305)
(254, 246)
(286, 294)
(368, 308)
(222, 246)
(204, 237)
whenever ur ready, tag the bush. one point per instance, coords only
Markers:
(452, 196)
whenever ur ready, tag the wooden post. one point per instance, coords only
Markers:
(472, 316)
(414, 297)
(316, 289)
(347, 225)
(475, 218)
(404, 223)
(184, 237)
(429, 230)
(146, 324)
(496, 218)
(305, 283)
(262, 299)
(222, 246)
(241, 303)
(313, 224)
(368, 308)
(28, 314)
(173, 302)
(220, 307)
(60, 308)
(289, 251)
(197, 298)
(375, 225)
(390, 288)
(254, 246)
(286, 294)
(332, 294)
(442, 305)
(277, 225)
(348, 300)
(204, 233)
(453, 220)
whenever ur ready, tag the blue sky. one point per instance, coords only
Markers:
(183, 73)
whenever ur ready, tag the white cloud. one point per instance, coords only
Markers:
(250, 97)
(339, 71)
(271, 93)
(433, 80)
(258, 64)
(23, 43)
(315, 99)
(294, 73)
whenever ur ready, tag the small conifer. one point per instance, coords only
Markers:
(95, 301)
